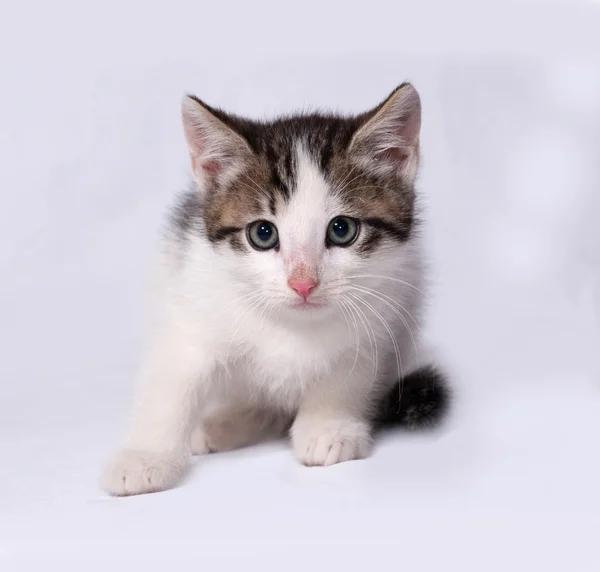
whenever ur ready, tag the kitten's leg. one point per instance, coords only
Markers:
(157, 450)
(238, 426)
(332, 425)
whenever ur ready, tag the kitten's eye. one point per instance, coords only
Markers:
(263, 235)
(342, 231)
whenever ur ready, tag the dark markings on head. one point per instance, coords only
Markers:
(267, 177)
(224, 232)
(272, 205)
(400, 230)
(273, 160)
(237, 243)
(370, 242)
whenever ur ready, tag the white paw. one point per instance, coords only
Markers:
(327, 442)
(133, 472)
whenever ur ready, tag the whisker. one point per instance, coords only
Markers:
(357, 345)
(264, 311)
(383, 277)
(343, 311)
(398, 313)
(344, 183)
(250, 295)
(392, 300)
(257, 187)
(387, 327)
(370, 332)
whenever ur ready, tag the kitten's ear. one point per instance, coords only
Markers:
(217, 152)
(389, 139)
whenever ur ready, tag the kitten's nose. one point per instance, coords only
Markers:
(302, 287)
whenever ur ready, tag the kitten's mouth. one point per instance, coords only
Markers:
(307, 305)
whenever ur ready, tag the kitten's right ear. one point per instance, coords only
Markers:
(217, 152)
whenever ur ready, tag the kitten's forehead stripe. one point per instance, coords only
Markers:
(272, 205)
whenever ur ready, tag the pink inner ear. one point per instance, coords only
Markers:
(409, 128)
(396, 125)
(212, 167)
(394, 154)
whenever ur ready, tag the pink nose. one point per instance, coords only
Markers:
(302, 287)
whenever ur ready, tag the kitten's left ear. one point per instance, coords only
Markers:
(217, 152)
(388, 141)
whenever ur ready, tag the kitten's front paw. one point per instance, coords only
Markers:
(326, 442)
(133, 472)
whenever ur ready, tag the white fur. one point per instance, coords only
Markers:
(228, 336)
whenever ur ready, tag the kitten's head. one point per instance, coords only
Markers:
(303, 206)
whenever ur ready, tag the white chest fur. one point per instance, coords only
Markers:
(283, 360)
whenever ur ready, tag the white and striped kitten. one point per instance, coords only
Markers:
(291, 296)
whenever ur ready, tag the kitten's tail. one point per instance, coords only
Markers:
(421, 400)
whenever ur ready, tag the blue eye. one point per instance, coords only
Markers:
(263, 235)
(342, 231)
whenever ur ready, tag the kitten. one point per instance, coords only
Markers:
(291, 295)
